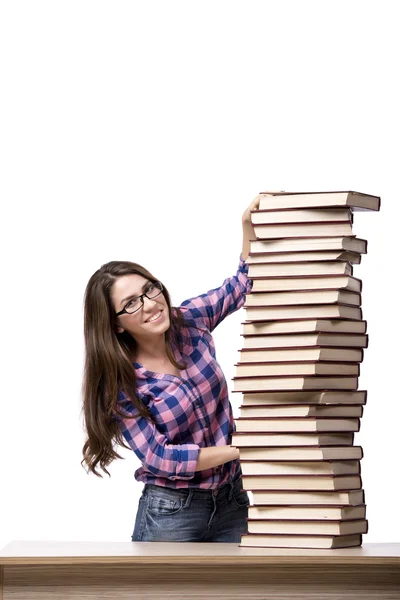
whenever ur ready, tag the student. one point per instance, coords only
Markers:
(152, 378)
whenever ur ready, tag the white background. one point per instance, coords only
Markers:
(141, 131)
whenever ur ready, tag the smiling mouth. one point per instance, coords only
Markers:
(154, 317)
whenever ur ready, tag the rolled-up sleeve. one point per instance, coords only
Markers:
(153, 449)
(211, 308)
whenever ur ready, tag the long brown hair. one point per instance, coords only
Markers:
(108, 364)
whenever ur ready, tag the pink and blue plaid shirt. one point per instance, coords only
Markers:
(192, 411)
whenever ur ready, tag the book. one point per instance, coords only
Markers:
(300, 541)
(349, 243)
(308, 513)
(322, 527)
(330, 282)
(314, 382)
(241, 440)
(301, 482)
(311, 326)
(296, 269)
(302, 215)
(284, 355)
(301, 498)
(301, 453)
(354, 200)
(308, 311)
(301, 424)
(316, 296)
(302, 410)
(323, 397)
(301, 230)
(303, 257)
(288, 369)
(316, 467)
(301, 340)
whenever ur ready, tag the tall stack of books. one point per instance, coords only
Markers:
(303, 342)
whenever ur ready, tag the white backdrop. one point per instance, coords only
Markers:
(142, 131)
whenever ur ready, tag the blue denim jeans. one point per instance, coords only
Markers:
(192, 515)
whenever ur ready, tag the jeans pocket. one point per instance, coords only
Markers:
(240, 495)
(163, 504)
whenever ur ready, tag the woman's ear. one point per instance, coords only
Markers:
(119, 329)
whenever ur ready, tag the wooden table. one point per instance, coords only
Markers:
(135, 570)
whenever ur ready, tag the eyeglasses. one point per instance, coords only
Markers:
(153, 290)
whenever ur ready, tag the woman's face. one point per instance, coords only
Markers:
(152, 319)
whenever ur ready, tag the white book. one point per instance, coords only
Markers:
(315, 244)
(302, 230)
(301, 453)
(300, 354)
(294, 425)
(302, 498)
(316, 398)
(277, 258)
(309, 311)
(354, 200)
(302, 215)
(288, 369)
(331, 326)
(259, 384)
(296, 269)
(290, 284)
(333, 467)
(303, 340)
(303, 297)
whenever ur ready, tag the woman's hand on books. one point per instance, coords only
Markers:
(254, 205)
(246, 217)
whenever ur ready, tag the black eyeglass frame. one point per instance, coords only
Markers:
(123, 311)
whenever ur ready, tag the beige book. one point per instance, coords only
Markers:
(316, 296)
(295, 498)
(304, 340)
(309, 311)
(354, 200)
(243, 440)
(308, 513)
(300, 541)
(331, 282)
(304, 257)
(317, 353)
(289, 369)
(302, 410)
(292, 527)
(301, 230)
(302, 453)
(259, 384)
(312, 326)
(300, 269)
(301, 424)
(302, 215)
(348, 243)
(316, 467)
(309, 397)
(301, 482)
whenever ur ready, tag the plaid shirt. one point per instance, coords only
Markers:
(192, 411)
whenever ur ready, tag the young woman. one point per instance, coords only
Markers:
(152, 378)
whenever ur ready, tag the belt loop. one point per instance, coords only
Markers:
(188, 499)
